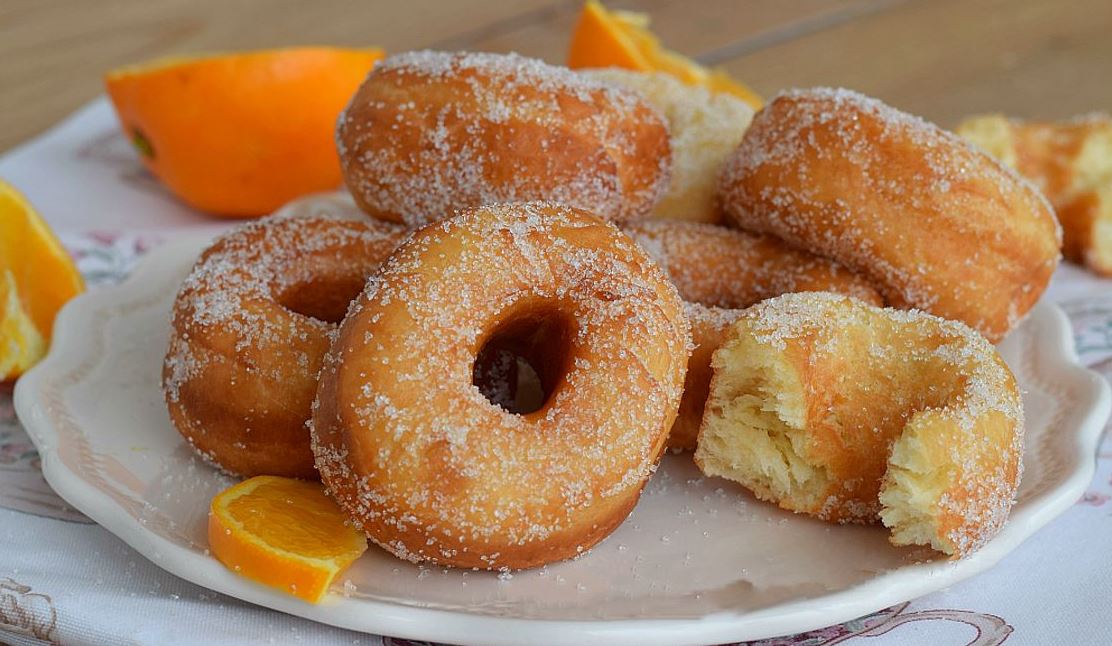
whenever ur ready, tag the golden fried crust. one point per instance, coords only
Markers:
(934, 223)
(853, 413)
(251, 325)
(709, 328)
(1070, 162)
(719, 271)
(434, 471)
(429, 133)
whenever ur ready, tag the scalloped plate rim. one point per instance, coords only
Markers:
(452, 626)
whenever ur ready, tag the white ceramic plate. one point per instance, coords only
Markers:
(698, 561)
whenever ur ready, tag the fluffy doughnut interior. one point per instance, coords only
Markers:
(753, 428)
(851, 413)
(919, 500)
(915, 481)
(810, 426)
(705, 128)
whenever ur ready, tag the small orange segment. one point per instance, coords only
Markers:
(238, 135)
(284, 533)
(605, 38)
(37, 277)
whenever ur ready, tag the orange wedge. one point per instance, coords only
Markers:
(239, 135)
(37, 277)
(283, 533)
(604, 38)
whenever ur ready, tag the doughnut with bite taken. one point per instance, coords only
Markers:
(432, 469)
(932, 222)
(852, 413)
(251, 324)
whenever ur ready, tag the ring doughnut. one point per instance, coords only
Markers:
(705, 127)
(434, 471)
(934, 223)
(853, 413)
(432, 132)
(719, 271)
(250, 328)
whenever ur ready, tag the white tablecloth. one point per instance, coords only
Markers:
(64, 579)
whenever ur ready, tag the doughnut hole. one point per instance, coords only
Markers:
(323, 291)
(523, 360)
(324, 296)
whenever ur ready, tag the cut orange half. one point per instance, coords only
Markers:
(240, 134)
(284, 533)
(37, 277)
(604, 38)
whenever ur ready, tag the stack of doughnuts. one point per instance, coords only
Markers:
(520, 221)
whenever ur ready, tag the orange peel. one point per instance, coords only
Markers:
(238, 135)
(613, 38)
(37, 277)
(283, 533)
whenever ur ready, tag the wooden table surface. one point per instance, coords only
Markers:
(939, 58)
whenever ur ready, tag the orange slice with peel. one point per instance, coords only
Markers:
(37, 277)
(241, 134)
(284, 533)
(605, 38)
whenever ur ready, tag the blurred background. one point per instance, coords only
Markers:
(942, 59)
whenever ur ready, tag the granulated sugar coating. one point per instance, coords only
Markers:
(853, 413)
(434, 471)
(429, 133)
(933, 222)
(721, 267)
(718, 271)
(251, 324)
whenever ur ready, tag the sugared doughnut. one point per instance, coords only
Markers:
(432, 132)
(705, 128)
(709, 326)
(251, 325)
(718, 271)
(434, 471)
(1071, 163)
(849, 412)
(934, 223)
